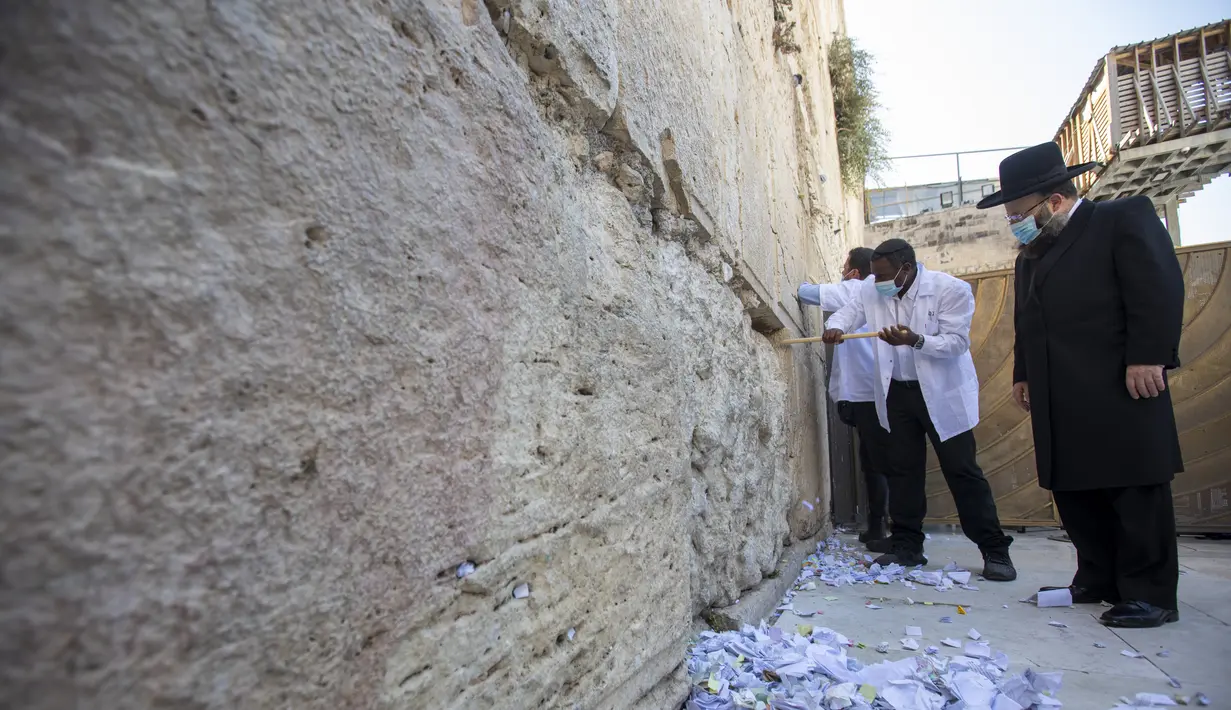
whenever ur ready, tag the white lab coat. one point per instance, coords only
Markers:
(944, 306)
(853, 362)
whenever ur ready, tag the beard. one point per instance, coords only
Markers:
(1049, 232)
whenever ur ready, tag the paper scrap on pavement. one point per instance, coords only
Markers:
(911, 695)
(961, 577)
(786, 607)
(1099, 645)
(872, 606)
(1004, 702)
(1163, 653)
(1058, 624)
(974, 635)
(831, 599)
(973, 689)
(1171, 681)
(946, 619)
(521, 591)
(767, 667)
(882, 647)
(1146, 700)
(807, 505)
(914, 631)
(571, 633)
(978, 650)
(1054, 597)
(1131, 654)
(464, 569)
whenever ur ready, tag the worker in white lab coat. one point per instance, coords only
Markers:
(925, 386)
(850, 388)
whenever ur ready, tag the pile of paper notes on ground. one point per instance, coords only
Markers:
(765, 668)
(836, 564)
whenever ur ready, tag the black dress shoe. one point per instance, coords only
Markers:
(882, 545)
(1081, 595)
(1138, 615)
(902, 556)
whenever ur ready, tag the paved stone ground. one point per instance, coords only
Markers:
(1094, 678)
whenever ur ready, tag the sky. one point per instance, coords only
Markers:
(975, 74)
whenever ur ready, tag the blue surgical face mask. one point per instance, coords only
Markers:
(1026, 230)
(889, 289)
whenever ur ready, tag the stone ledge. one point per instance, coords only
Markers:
(760, 601)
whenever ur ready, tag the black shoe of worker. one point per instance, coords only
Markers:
(902, 556)
(875, 531)
(1138, 615)
(881, 545)
(1081, 595)
(998, 567)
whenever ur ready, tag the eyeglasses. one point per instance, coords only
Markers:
(1015, 218)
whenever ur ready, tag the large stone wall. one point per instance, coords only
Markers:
(307, 303)
(959, 241)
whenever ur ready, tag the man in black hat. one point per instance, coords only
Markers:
(1099, 308)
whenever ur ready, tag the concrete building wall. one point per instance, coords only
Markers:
(307, 303)
(882, 204)
(957, 241)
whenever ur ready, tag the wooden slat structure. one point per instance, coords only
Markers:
(1156, 116)
(1200, 389)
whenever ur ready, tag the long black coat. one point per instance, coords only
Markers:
(1109, 293)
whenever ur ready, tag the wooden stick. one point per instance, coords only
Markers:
(817, 339)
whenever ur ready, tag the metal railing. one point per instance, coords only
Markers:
(918, 190)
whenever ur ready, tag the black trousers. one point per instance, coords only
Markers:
(1125, 540)
(909, 424)
(873, 460)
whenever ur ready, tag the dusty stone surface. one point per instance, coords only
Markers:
(959, 241)
(306, 304)
(760, 601)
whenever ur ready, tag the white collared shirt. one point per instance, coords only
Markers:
(904, 361)
(851, 379)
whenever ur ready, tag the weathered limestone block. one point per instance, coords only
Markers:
(306, 304)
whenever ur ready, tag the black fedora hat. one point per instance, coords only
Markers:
(1033, 170)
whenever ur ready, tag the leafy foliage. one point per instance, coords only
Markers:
(863, 141)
